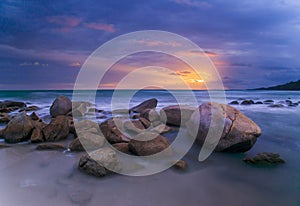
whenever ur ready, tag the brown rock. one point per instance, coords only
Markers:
(30, 108)
(134, 126)
(58, 129)
(111, 132)
(122, 147)
(145, 122)
(37, 135)
(265, 158)
(61, 106)
(150, 114)
(182, 165)
(18, 129)
(173, 115)
(148, 104)
(4, 117)
(239, 132)
(50, 146)
(161, 129)
(100, 162)
(89, 140)
(148, 143)
(34, 116)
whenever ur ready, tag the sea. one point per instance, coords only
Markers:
(30, 177)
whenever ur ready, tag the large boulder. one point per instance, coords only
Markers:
(150, 114)
(90, 139)
(18, 129)
(148, 104)
(58, 129)
(4, 117)
(239, 133)
(134, 126)
(112, 130)
(61, 106)
(100, 162)
(50, 146)
(148, 143)
(174, 114)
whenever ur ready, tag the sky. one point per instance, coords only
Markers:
(43, 44)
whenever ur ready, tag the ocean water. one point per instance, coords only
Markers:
(29, 177)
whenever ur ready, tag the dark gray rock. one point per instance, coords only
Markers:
(265, 158)
(148, 104)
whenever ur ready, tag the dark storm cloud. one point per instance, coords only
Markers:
(261, 36)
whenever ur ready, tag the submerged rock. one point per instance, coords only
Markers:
(99, 162)
(148, 104)
(234, 102)
(265, 158)
(268, 101)
(258, 102)
(173, 115)
(58, 129)
(18, 129)
(239, 133)
(247, 102)
(276, 105)
(50, 146)
(148, 143)
(61, 106)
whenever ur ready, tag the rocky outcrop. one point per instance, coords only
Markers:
(148, 104)
(247, 102)
(100, 162)
(173, 115)
(265, 158)
(239, 133)
(4, 117)
(50, 146)
(9, 106)
(18, 129)
(61, 106)
(58, 129)
(148, 143)
(112, 130)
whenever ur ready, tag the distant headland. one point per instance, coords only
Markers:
(288, 86)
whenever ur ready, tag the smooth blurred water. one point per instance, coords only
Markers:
(29, 177)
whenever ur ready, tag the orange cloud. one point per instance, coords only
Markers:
(101, 26)
(75, 64)
(64, 21)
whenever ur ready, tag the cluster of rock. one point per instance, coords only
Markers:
(142, 134)
(269, 102)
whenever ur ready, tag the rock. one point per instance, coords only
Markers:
(234, 102)
(239, 134)
(276, 105)
(30, 108)
(37, 135)
(288, 102)
(181, 165)
(111, 132)
(258, 102)
(71, 126)
(148, 143)
(34, 116)
(122, 147)
(146, 123)
(4, 117)
(50, 146)
(94, 110)
(134, 126)
(61, 106)
(265, 158)
(247, 102)
(268, 101)
(90, 139)
(12, 104)
(121, 111)
(293, 105)
(150, 114)
(18, 129)
(173, 115)
(58, 129)
(99, 162)
(161, 129)
(79, 109)
(148, 104)
(1, 133)
(76, 145)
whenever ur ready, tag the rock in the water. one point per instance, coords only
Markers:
(173, 115)
(18, 129)
(258, 102)
(37, 135)
(79, 109)
(268, 101)
(76, 145)
(276, 105)
(239, 133)
(150, 114)
(50, 146)
(148, 143)
(4, 117)
(161, 129)
(265, 158)
(122, 147)
(30, 108)
(11, 105)
(247, 102)
(34, 116)
(182, 165)
(58, 129)
(111, 130)
(134, 126)
(100, 162)
(61, 106)
(148, 104)
(234, 102)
